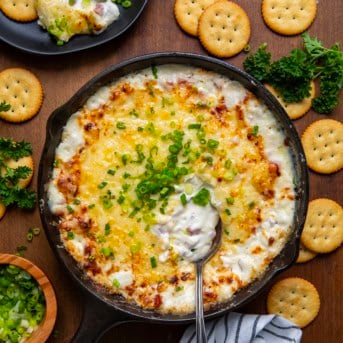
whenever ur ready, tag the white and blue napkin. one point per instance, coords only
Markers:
(247, 328)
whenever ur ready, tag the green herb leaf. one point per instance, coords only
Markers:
(258, 64)
(230, 200)
(4, 107)
(202, 198)
(183, 199)
(121, 125)
(255, 131)
(116, 283)
(153, 262)
(154, 71)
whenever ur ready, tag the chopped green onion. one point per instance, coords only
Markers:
(125, 158)
(70, 235)
(135, 248)
(20, 249)
(29, 235)
(76, 202)
(106, 251)
(111, 171)
(153, 262)
(194, 126)
(126, 3)
(230, 200)
(121, 125)
(107, 229)
(116, 283)
(102, 185)
(131, 233)
(179, 288)
(70, 209)
(90, 206)
(202, 198)
(255, 130)
(251, 205)
(154, 71)
(228, 164)
(183, 199)
(247, 48)
(36, 231)
(212, 144)
(209, 160)
(125, 187)
(121, 199)
(134, 113)
(126, 175)
(228, 212)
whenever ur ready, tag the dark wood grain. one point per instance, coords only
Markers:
(156, 30)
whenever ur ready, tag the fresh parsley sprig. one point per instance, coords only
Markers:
(4, 106)
(291, 75)
(10, 191)
(10, 149)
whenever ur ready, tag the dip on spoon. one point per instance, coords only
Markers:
(194, 231)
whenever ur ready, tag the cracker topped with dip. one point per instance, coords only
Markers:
(145, 167)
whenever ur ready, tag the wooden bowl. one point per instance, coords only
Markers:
(42, 333)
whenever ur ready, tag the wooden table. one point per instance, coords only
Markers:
(156, 30)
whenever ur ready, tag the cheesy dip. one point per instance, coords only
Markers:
(65, 18)
(145, 169)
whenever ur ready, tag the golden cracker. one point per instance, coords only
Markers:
(188, 12)
(323, 230)
(224, 29)
(323, 145)
(19, 10)
(295, 110)
(23, 91)
(294, 299)
(26, 161)
(289, 17)
(305, 254)
(2, 210)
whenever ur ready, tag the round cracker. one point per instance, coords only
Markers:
(294, 299)
(19, 10)
(295, 110)
(323, 145)
(289, 17)
(188, 12)
(323, 230)
(23, 91)
(2, 210)
(305, 254)
(224, 29)
(26, 161)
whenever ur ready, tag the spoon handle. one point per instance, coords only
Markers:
(199, 322)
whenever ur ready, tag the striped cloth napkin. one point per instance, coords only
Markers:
(247, 328)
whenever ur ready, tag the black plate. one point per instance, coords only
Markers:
(100, 306)
(30, 37)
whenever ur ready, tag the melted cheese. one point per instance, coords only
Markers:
(143, 249)
(65, 18)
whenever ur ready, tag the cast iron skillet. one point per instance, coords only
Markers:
(30, 37)
(103, 310)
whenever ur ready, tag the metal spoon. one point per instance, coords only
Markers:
(199, 309)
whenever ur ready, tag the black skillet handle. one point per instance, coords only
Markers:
(97, 319)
